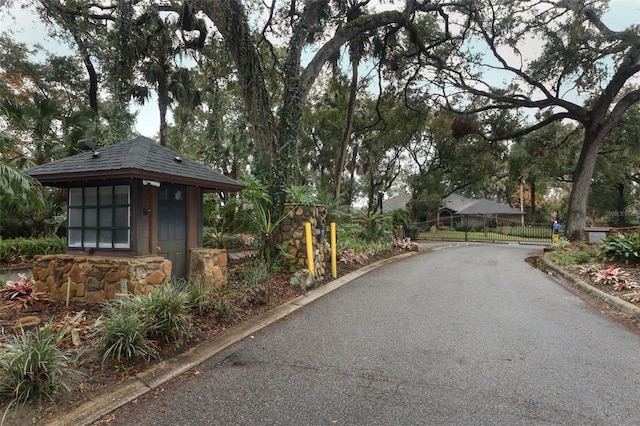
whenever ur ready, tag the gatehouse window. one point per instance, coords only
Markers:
(100, 217)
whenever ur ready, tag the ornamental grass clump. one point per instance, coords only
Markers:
(122, 332)
(166, 310)
(33, 367)
(210, 299)
(256, 274)
(200, 297)
(223, 302)
(131, 327)
(560, 244)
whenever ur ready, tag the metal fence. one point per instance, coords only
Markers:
(482, 228)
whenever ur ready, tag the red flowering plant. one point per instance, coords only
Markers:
(610, 276)
(20, 293)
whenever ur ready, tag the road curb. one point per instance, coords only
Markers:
(622, 305)
(117, 395)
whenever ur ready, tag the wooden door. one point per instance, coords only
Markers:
(172, 229)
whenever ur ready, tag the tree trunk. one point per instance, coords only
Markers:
(346, 137)
(621, 206)
(577, 214)
(163, 104)
(230, 19)
(352, 177)
(91, 71)
(532, 186)
(276, 144)
(370, 203)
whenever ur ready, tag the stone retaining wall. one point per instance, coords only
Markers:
(292, 233)
(95, 279)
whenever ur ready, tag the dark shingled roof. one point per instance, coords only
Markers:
(461, 205)
(488, 207)
(139, 158)
(396, 202)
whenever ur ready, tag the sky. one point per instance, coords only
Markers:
(25, 26)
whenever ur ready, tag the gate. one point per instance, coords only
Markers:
(482, 229)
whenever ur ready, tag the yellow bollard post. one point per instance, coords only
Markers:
(310, 263)
(334, 251)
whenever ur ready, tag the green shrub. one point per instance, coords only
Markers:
(300, 195)
(23, 249)
(572, 257)
(216, 239)
(562, 258)
(199, 296)
(256, 273)
(206, 299)
(33, 366)
(374, 226)
(621, 248)
(373, 248)
(560, 244)
(166, 310)
(123, 332)
(353, 237)
(348, 239)
(127, 328)
(223, 301)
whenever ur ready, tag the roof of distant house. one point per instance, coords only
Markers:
(396, 202)
(462, 205)
(138, 158)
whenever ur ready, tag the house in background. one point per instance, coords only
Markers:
(461, 211)
(396, 202)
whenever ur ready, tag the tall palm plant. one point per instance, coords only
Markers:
(267, 227)
(33, 122)
(355, 9)
(16, 186)
(157, 47)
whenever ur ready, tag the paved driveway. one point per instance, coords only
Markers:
(460, 336)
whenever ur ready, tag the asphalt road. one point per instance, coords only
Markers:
(460, 336)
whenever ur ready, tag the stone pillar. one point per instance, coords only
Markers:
(292, 234)
(209, 265)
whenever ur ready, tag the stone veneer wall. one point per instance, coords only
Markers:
(96, 279)
(210, 265)
(292, 232)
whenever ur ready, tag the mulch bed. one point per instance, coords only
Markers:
(633, 276)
